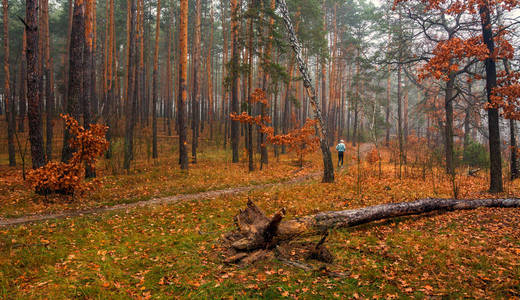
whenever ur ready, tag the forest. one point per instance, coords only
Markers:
(315, 149)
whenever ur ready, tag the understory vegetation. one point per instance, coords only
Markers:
(174, 250)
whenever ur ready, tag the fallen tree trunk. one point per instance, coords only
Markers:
(348, 218)
(256, 231)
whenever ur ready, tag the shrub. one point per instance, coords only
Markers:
(65, 178)
(475, 155)
(373, 156)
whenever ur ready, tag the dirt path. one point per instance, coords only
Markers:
(364, 148)
(151, 202)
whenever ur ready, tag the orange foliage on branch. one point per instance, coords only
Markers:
(448, 53)
(470, 6)
(244, 117)
(507, 94)
(66, 178)
(301, 140)
(373, 156)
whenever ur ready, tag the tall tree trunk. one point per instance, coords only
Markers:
(88, 68)
(400, 117)
(355, 125)
(9, 101)
(131, 107)
(286, 117)
(34, 114)
(75, 85)
(495, 169)
(94, 105)
(209, 62)
(234, 79)
(276, 116)
(405, 116)
(195, 98)
(387, 109)
(323, 70)
(168, 103)
(111, 85)
(399, 98)
(264, 159)
(249, 91)
(22, 101)
(328, 169)
(66, 56)
(448, 127)
(141, 83)
(154, 80)
(467, 130)
(225, 98)
(183, 74)
(49, 81)
(514, 159)
(515, 173)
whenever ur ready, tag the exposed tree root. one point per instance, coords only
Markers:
(256, 235)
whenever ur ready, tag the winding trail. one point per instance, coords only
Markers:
(152, 202)
(364, 148)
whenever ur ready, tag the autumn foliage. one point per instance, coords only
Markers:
(300, 140)
(66, 178)
(448, 54)
(373, 156)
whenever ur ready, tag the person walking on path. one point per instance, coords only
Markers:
(341, 150)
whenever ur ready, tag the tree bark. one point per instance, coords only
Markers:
(75, 84)
(154, 80)
(264, 157)
(195, 97)
(256, 231)
(250, 33)
(22, 101)
(88, 67)
(183, 72)
(328, 169)
(9, 100)
(33, 95)
(234, 79)
(512, 135)
(514, 159)
(495, 169)
(49, 81)
(387, 108)
(448, 127)
(109, 110)
(131, 105)
(225, 98)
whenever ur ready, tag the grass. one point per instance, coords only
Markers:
(172, 251)
(148, 179)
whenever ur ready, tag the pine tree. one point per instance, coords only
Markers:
(10, 107)
(33, 95)
(183, 72)
(75, 84)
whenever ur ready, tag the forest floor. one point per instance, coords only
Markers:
(128, 204)
(172, 250)
(147, 180)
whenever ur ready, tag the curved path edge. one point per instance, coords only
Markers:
(151, 202)
(364, 148)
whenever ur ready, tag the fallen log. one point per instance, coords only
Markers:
(256, 231)
(473, 172)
